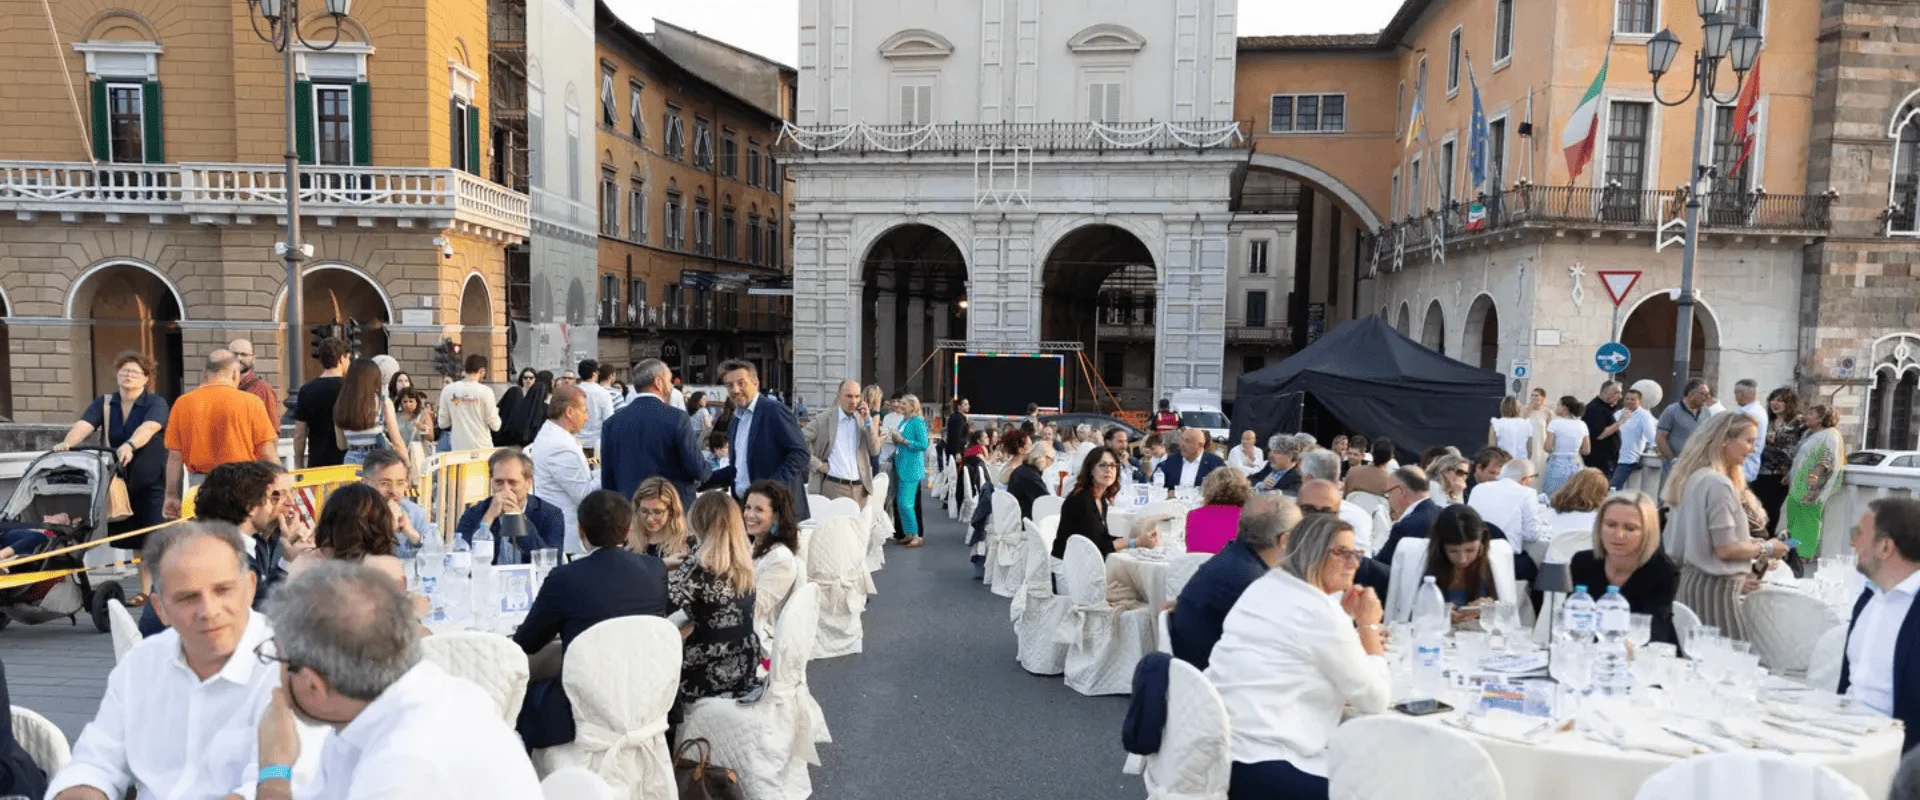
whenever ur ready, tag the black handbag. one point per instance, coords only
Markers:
(698, 779)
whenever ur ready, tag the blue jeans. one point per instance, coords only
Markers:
(1621, 472)
(1274, 780)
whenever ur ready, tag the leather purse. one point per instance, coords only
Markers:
(699, 779)
(119, 506)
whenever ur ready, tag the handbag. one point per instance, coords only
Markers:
(119, 506)
(698, 779)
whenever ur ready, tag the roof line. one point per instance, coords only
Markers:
(639, 40)
(657, 22)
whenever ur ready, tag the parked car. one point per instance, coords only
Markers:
(1896, 463)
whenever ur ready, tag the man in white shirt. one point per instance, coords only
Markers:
(470, 409)
(599, 404)
(1247, 457)
(1636, 436)
(1511, 503)
(843, 443)
(561, 475)
(1746, 392)
(178, 716)
(1878, 668)
(349, 653)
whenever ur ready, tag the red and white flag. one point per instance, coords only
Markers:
(1746, 118)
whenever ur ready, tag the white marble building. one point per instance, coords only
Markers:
(977, 171)
(563, 174)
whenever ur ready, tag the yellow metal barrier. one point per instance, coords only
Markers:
(449, 483)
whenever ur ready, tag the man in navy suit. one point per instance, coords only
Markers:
(610, 581)
(1414, 510)
(1881, 666)
(1192, 465)
(1195, 623)
(652, 437)
(765, 440)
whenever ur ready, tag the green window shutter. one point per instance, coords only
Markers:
(362, 124)
(473, 142)
(303, 120)
(100, 152)
(155, 123)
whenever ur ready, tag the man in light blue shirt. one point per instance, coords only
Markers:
(766, 441)
(1746, 393)
(386, 473)
(1636, 435)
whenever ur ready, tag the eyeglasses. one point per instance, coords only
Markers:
(269, 655)
(1458, 473)
(1106, 465)
(1347, 553)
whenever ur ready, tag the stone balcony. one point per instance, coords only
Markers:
(220, 194)
(1038, 137)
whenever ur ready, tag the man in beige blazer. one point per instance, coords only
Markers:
(843, 441)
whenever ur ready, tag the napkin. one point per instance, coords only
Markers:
(1503, 724)
(1634, 739)
(1858, 724)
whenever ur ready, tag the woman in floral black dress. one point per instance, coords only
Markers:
(714, 586)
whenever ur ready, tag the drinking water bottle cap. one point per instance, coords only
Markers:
(1580, 588)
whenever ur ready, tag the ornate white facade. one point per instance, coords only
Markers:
(1007, 130)
(563, 175)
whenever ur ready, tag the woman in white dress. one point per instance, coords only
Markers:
(1538, 415)
(1510, 431)
(774, 529)
(1566, 443)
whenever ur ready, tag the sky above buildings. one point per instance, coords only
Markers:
(768, 27)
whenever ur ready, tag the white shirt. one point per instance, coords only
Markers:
(1870, 646)
(1287, 663)
(1246, 462)
(171, 735)
(429, 735)
(1190, 471)
(561, 476)
(1636, 435)
(737, 448)
(1509, 506)
(1365, 525)
(1512, 435)
(677, 400)
(1567, 434)
(1758, 413)
(472, 423)
(842, 460)
(599, 408)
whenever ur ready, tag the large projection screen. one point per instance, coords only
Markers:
(1002, 384)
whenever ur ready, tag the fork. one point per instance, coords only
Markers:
(1750, 741)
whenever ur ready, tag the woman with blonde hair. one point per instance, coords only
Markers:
(910, 468)
(1510, 431)
(1449, 476)
(1711, 519)
(714, 586)
(1626, 553)
(659, 524)
(1815, 474)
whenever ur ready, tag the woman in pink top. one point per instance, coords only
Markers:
(1212, 525)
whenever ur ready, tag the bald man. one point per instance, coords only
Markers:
(1191, 465)
(1323, 497)
(841, 445)
(213, 425)
(250, 381)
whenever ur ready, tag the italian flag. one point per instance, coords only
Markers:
(1584, 126)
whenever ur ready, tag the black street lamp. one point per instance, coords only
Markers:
(1722, 36)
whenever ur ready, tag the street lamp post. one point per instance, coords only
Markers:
(282, 18)
(1721, 35)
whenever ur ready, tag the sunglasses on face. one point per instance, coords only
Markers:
(1347, 553)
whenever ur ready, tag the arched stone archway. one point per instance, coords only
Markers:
(476, 318)
(1433, 329)
(128, 307)
(343, 295)
(1322, 180)
(913, 293)
(576, 304)
(1650, 331)
(1480, 338)
(1891, 409)
(1404, 322)
(1099, 288)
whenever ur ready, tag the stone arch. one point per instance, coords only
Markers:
(916, 43)
(1404, 322)
(128, 305)
(73, 289)
(913, 281)
(476, 316)
(1648, 330)
(576, 303)
(1106, 38)
(1480, 337)
(1323, 180)
(542, 298)
(1903, 181)
(1433, 328)
(106, 24)
(386, 301)
(1048, 239)
(335, 292)
(322, 24)
(1889, 414)
(1100, 286)
(460, 52)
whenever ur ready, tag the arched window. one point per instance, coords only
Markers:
(1905, 191)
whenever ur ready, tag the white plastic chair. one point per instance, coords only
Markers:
(1410, 566)
(1103, 643)
(125, 632)
(1047, 505)
(1430, 762)
(843, 507)
(1194, 762)
(1823, 667)
(1784, 624)
(492, 662)
(838, 564)
(1037, 612)
(1163, 632)
(768, 743)
(1566, 543)
(42, 740)
(1366, 500)
(1003, 545)
(1748, 775)
(1181, 571)
(1685, 620)
(574, 783)
(818, 506)
(621, 676)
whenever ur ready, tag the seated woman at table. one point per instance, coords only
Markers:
(1215, 523)
(1574, 505)
(1289, 662)
(1457, 560)
(774, 529)
(1449, 476)
(659, 527)
(356, 524)
(1028, 481)
(1085, 511)
(714, 586)
(609, 581)
(1626, 553)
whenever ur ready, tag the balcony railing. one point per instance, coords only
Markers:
(1600, 208)
(1285, 201)
(444, 196)
(1273, 331)
(861, 137)
(689, 317)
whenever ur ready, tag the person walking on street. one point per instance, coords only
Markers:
(313, 442)
(910, 467)
(468, 407)
(1635, 430)
(652, 438)
(1785, 429)
(252, 382)
(766, 442)
(363, 416)
(954, 435)
(843, 442)
(131, 420)
(1746, 392)
(213, 425)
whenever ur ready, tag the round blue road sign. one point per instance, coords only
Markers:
(1612, 358)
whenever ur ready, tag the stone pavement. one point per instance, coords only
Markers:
(57, 669)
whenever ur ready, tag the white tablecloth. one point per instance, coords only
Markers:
(1131, 579)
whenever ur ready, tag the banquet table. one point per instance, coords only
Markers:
(1138, 578)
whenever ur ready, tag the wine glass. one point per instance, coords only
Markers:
(1640, 630)
(1516, 634)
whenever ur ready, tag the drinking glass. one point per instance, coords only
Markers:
(1515, 634)
(1640, 629)
(1471, 647)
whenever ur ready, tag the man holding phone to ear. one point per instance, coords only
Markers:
(842, 445)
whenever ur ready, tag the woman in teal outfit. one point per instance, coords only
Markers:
(910, 467)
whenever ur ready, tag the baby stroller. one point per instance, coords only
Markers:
(74, 483)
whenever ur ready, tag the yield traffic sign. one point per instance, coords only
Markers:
(1619, 282)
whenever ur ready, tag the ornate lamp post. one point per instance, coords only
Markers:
(1721, 36)
(282, 18)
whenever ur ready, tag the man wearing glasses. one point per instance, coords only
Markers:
(257, 498)
(1408, 498)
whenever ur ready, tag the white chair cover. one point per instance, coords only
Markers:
(1748, 775)
(818, 506)
(42, 740)
(574, 783)
(125, 632)
(1103, 643)
(1685, 620)
(775, 576)
(1823, 668)
(1003, 545)
(1037, 611)
(1194, 762)
(1784, 624)
(1500, 562)
(621, 675)
(1566, 543)
(1047, 505)
(843, 507)
(1181, 571)
(492, 662)
(805, 536)
(1367, 500)
(879, 521)
(1430, 762)
(769, 743)
(1163, 632)
(838, 564)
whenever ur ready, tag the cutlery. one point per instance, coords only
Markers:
(1624, 744)
(1808, 731)
(1702, 741)
(1527, 737)
(1748, 740)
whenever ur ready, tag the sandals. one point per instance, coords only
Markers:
(915, 541)
(137, 600)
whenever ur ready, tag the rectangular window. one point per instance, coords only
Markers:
(609, 204)
(637, 211)
(1394, 196)
(609, 115)
(609, 299)
(729, 155)
(676, 134)
(126, 123)
(636, 121)
(729, 235)
(1257, 308)
(753, 163)
(1416, 191)
(1113, 368)
(1280, 114)
(676, 234)
(775, 181)
(1635, 16)
(1502, 30)
(1257, 257)
(1496, 154)
(702, 143)
(1103, 102)
(916, 105)
(1445, 174)
(457, 133)
(774, 251)
(753, 238)
(1746, 12)
(702, 227)
(1399, 108)
(1726, 150)
(637, 301)
(1453, 60)
(1307, 113)
(1627, 145)
(333, 113)
(1333, 113)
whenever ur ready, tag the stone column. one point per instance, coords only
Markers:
(1003, 304)
(825, 335)
(1190, 341)
(916, 324)
(886, 336)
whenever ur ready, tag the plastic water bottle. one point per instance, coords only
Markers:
(459, 559)
(1612, 674)
(485, 601)
(1580, 614)
(483, 546)
(1430, 625)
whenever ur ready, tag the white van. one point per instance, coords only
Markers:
(1199, 408)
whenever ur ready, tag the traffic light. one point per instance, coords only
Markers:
(315, 335)
(356, 339)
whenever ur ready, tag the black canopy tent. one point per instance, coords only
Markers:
(1377, 382)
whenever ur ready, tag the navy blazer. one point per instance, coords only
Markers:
(1201, 611)
(776, 449)
(1170, 468)
(1906, 671)
(650, 438)
(1414, 523)
(609, 582)
(546, 527)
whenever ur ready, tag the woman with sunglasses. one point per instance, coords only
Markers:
(1085, 511)
(1449, 475)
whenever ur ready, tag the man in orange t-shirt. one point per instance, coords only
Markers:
(213, 425)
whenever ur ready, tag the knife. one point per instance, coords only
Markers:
(1702, 741)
